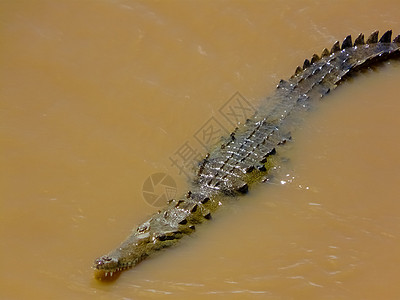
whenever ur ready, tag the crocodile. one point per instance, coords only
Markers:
(249, 153)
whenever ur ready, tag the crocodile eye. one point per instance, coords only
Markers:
(106, 260)
(144, 227)
(102, 260)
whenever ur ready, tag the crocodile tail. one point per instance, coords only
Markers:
(323, 73)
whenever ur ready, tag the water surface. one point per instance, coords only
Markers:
(98, 96)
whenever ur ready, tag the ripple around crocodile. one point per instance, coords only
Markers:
(247, 155)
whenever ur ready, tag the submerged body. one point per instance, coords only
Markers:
(248, 153)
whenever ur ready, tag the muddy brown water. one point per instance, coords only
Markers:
(96, 96)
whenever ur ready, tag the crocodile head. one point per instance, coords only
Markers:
(106, 266)
(127, 255)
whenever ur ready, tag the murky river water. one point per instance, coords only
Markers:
(96, 96)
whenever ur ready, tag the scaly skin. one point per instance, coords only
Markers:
(248, 153)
